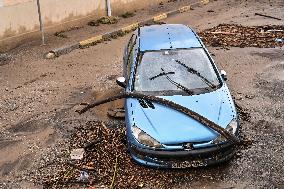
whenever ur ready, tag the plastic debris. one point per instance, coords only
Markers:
(84, 176)
(77, 154)
(279, 40)
(50, 55)
(274, 30)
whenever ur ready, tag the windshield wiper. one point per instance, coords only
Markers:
(161, 74)
(195, 72)
(178, 85)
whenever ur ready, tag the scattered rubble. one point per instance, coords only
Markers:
(226, 35)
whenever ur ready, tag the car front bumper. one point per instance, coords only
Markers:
(182, 158)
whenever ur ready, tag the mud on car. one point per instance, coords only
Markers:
(170, 62)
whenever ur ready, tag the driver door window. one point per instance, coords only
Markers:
(130, 56)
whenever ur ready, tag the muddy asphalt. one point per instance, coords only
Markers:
(39, 98)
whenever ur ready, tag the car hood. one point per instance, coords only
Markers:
(169, 126)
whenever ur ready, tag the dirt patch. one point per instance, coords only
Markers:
(25, 162)
(274, 90)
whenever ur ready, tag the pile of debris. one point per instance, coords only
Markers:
(99, 157)
(225, 35)
(104, 20)
(96, 154)
(127, 14)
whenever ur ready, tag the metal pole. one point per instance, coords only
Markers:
(40, 22)
(108, 8)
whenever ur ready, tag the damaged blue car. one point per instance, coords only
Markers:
(169, 61)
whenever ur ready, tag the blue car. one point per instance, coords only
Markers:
(170, 61)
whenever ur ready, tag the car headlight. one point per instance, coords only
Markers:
(231, 128)
(144, 138)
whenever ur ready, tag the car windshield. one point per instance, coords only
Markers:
(175, 70)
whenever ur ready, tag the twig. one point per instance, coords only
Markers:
(84, 103)
(267, 16)
(92, 143)
(78, 167)
(210, 124)
(114, 174)
(105, 127)
(225, 33)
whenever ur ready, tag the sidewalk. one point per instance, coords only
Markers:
(81, 37)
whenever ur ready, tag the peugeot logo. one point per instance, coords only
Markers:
(188, 146)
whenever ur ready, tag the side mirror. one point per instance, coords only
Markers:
(121, 81)
(224, 75)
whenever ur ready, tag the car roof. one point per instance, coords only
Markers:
(167, 36)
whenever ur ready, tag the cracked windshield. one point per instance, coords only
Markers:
(175, 70)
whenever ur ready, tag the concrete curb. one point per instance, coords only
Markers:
(119, 32)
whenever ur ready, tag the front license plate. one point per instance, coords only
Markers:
(186, 164)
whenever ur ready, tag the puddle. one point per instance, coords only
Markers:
(8, 143)
(28, 126)
(7, 168)
(101, 112)
(273, 54)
